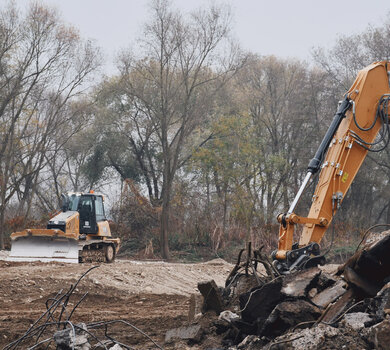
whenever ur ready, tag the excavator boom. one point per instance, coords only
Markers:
(352, 133)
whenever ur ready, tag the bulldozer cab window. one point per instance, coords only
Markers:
(73, 202)
(99, 209)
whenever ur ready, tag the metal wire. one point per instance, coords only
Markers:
(47, 324)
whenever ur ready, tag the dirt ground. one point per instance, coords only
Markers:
(153, 296)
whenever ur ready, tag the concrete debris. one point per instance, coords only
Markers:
(310, 338)
(192, 333)
(329, 295)
(356, 320)
(288, 314)
(250, 342)
(258, 303)
(116, 347)
(336, 309)
(212, 296)
(76, 338)
(359, 282)
(380, 336)
(317, 308)
(298, 284)
(228, 316)
(195, 309)
(312, 293)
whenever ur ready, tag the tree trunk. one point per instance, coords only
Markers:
(2, 245)
(165, 225)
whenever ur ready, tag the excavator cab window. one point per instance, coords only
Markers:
(86, 208)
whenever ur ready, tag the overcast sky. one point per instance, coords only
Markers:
(285, 28)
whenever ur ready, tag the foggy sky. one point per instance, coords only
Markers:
(285, 28)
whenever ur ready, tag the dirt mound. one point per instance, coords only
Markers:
(153, 296)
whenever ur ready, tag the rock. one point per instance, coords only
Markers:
(66, 340)
(195, 306)
(383, 301)
(221, 326)
(228, 316)
(329, 295)
(258, 303)
(312, 293)
(313, 338)
(299, 283)
(212, 296)
(148, 289)
(356, 320)
(288, 314)
(250, 342)
(116, 347)
(380, 336)
(192, 333)
(326, 280)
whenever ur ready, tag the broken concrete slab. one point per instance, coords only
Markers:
(298, 284)
(258, 303)
(356, 320)
(320, 337)
(371, 263)
(212, 296)
(196, 301)
(191, 333)
(354, 279)
(329, 295)
(309, 338)
(288, 314)
(335, 310)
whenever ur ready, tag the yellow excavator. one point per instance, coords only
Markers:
(360, 125)
(79, 232)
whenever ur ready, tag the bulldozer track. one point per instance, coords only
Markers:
(92, 255)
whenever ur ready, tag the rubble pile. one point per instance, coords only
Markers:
(317, 308)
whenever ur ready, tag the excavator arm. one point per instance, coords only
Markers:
(352, 133)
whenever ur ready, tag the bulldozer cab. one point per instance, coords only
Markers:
(90, 208)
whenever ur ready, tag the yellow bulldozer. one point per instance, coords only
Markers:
(79, 232)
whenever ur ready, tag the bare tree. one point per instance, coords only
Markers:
(43, 65)
(172, 86)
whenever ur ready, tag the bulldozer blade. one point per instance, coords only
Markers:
(45, 249)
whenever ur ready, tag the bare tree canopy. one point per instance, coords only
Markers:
(43, 65)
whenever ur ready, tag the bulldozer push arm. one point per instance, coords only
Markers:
(352, 133)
